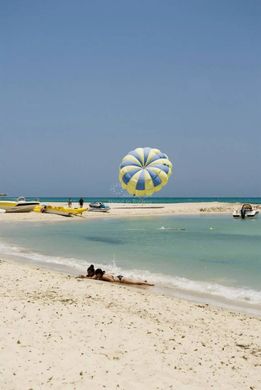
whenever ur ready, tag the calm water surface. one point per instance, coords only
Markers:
(209, 254)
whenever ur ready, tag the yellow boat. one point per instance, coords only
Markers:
(20, 206)
(60, 210)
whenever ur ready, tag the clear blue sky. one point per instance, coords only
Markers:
(84, 82)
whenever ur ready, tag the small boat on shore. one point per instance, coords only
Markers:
(19, 206)
(60, 210)
(99, 207)
(246, 211)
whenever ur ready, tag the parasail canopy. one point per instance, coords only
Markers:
(144, 171)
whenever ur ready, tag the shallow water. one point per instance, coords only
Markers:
(217, 255)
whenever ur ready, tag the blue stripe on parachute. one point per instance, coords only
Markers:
(146, 152)
(155, 178)
(162, 167)
(126, 163)
(141, 182)
(159, 156)
(128, 175)
(136, 155)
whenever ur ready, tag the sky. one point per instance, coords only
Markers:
(84, 82)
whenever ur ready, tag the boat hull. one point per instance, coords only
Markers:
(5, 204)
(98, 207)
(59, 210)
(105, 210)
(18, 207)
(248, 214)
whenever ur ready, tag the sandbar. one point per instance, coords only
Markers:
(125, 210)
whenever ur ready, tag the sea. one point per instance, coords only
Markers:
(125, 199)
(207, 258)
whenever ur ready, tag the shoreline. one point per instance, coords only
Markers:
(189, 295)
(118, 336)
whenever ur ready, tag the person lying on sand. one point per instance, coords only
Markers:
(99, 274)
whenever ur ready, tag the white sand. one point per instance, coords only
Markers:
(133, 210)
(58, 332)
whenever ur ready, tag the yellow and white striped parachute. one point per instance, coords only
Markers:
(144, 171)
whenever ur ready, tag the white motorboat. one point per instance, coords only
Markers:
(246, 211)
(19, 206)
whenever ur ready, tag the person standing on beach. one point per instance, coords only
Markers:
(69, 202)
(81, 201)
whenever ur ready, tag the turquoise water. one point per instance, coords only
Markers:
(124, 199)
(216, 255)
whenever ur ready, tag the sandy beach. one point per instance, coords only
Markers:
(59, 332)
(133, 210)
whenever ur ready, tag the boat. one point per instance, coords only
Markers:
(19, 206)
(99, 207)
(60, 210)
(246, 211)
